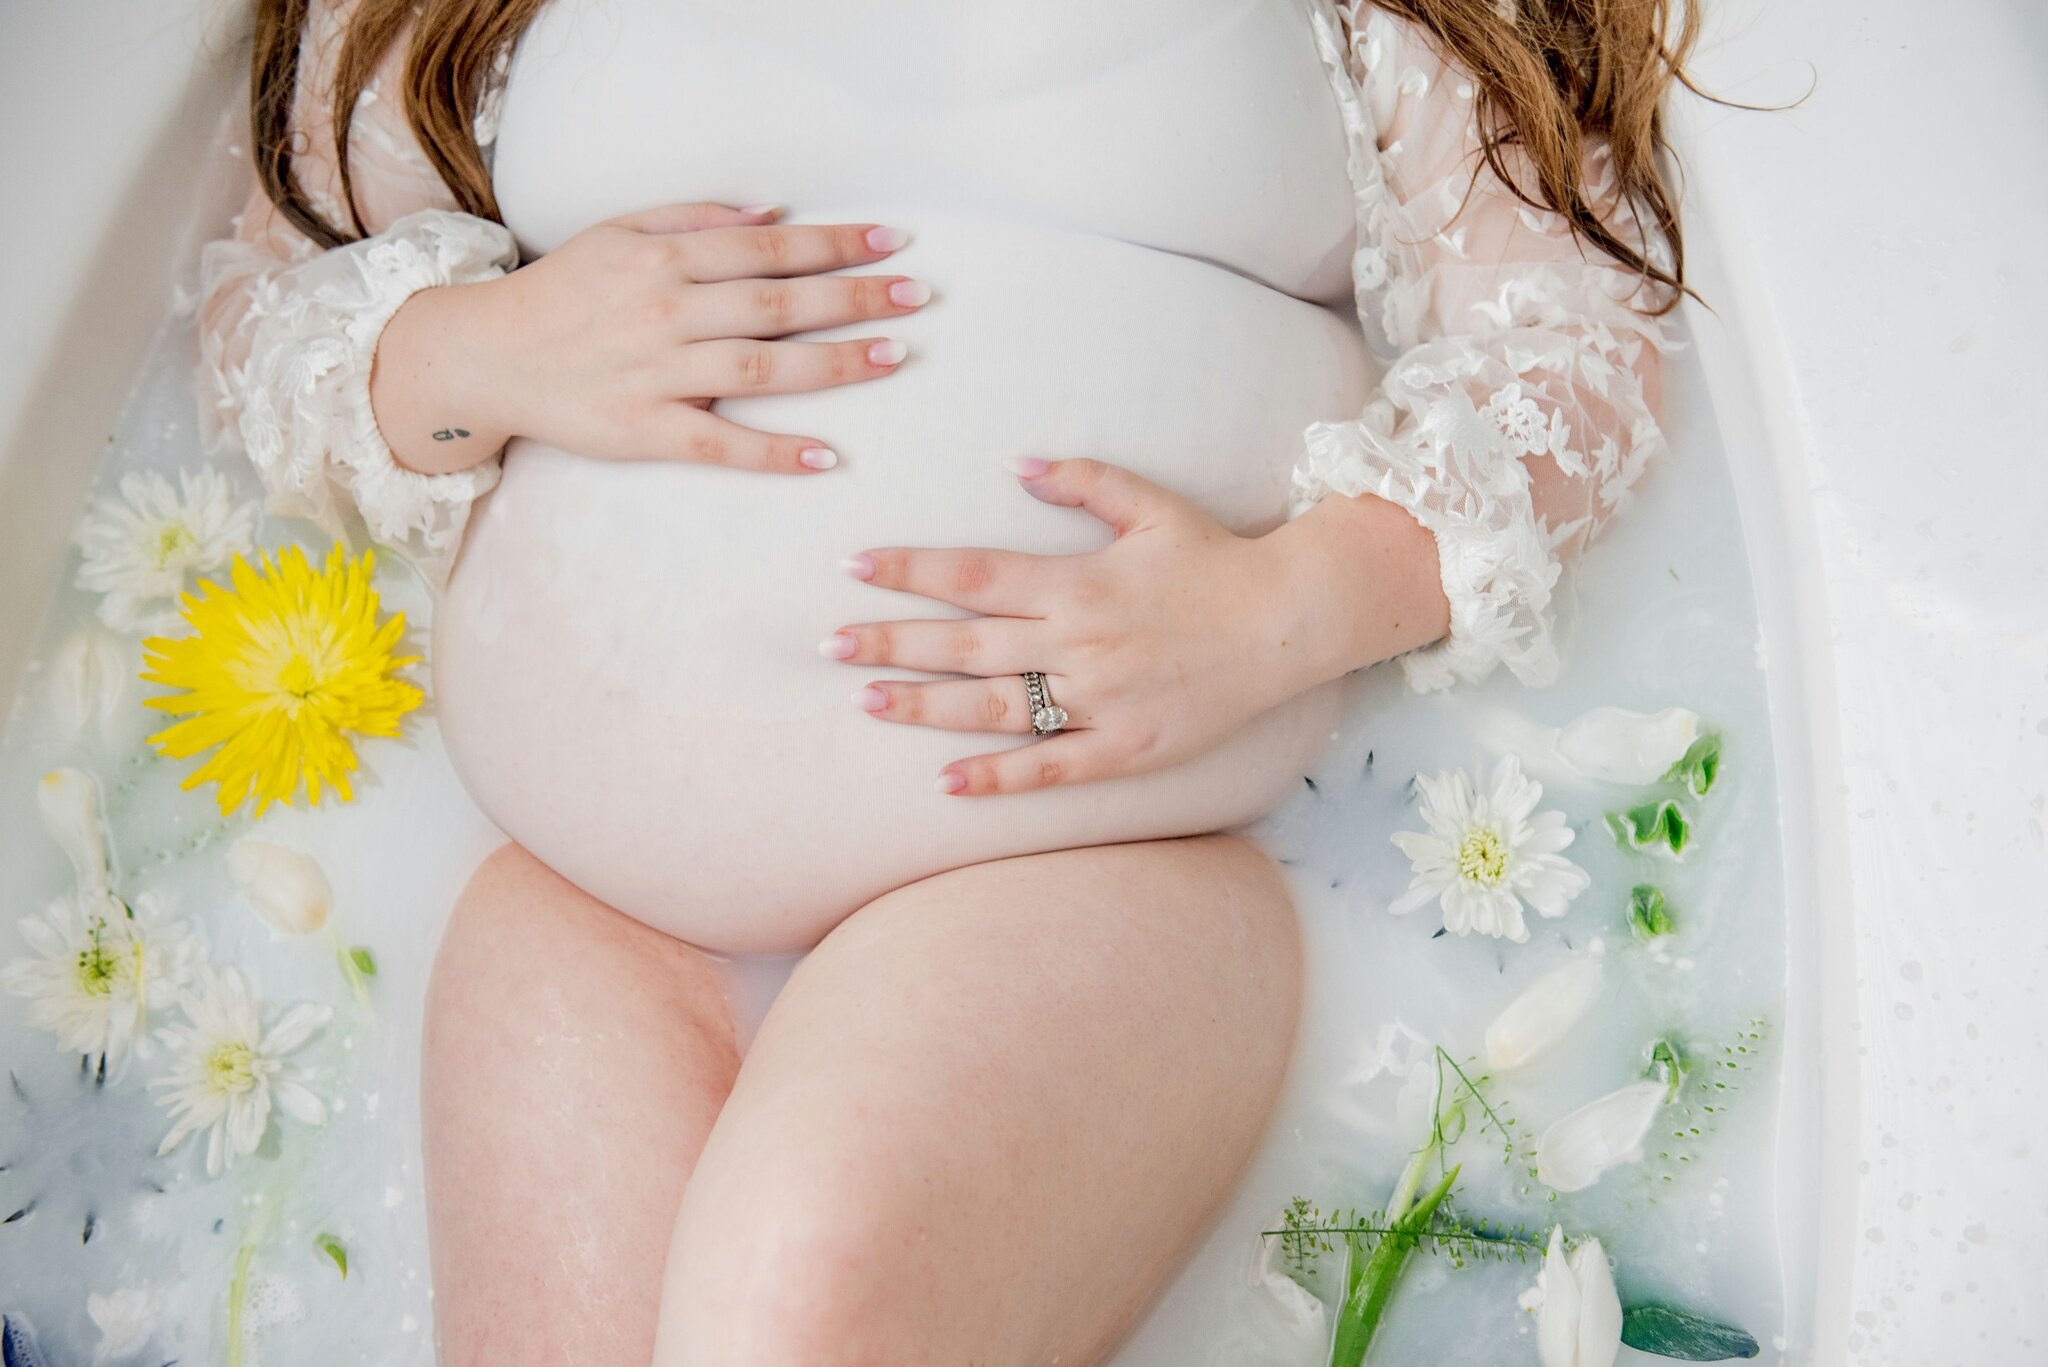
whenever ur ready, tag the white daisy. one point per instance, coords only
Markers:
(226, 1069)
(140, 547)
(1483, 855)
(98, 964)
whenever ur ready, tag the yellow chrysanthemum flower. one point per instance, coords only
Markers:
(278, 672)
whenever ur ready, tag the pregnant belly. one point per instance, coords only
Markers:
(625, 659)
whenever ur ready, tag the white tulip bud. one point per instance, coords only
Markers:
(1573, 1152)
(70, 803)
(1578, 1323)
(288, 889)
(1533, 1023)
(1620, 746)
(90, 675)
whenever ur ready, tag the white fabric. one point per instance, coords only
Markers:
(288, 331)
(1512, 419)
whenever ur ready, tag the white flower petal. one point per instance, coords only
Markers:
(1533, 1023)
(294, 1028)
(1620, 746)
(90, 677)
(287, 888)
(1557, 1323)
(1574, 1151)
(300, 1104)
(1599, 1338)
(70, 803)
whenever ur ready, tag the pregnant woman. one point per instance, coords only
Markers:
(1106, 383)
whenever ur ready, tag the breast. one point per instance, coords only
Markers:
(1205, 128)
(625, 658)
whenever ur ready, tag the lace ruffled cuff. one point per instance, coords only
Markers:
(304, 390)
(1456, 465)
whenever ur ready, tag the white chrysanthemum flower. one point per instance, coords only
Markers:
(1485, 854)
(226, 1069)
(141, 546)
(97, 967)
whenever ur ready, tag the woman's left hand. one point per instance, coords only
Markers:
(1158, 645)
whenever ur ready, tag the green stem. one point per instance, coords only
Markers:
(1370, 1287)
(238, 1295)
(1441, 1236)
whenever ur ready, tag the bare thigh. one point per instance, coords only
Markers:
(990, 1114)
(574, 1061)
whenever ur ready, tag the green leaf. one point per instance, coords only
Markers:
(1660, 827)
(1370, 1287)
(1669, 1332)
(1668, 1066)
(365, 962)
(333, 1248)
(1698, 767)
(1649, 915)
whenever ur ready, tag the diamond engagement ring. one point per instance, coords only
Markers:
(1047, 716)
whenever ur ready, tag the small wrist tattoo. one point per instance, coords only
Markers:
(451, 433)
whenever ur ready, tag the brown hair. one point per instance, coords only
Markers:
(1550, 75)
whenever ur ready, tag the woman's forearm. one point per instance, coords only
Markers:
(424, 387)
(1359, 582)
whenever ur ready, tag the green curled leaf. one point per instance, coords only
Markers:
(1660, 827)
(335, 1250)
(1698, 767)
(1668, 1332)
(365, 962)
(1668, 1065)
(1649, 915)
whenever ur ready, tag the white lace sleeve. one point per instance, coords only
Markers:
(288, 330)
(1517, 405)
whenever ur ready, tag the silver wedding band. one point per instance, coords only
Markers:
(1047, 716)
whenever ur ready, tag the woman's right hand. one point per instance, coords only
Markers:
(615, 344)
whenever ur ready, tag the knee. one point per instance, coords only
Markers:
(800, 1269)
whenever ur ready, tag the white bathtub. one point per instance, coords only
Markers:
(1873, 361)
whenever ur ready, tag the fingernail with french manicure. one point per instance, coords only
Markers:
(818, 457)
(837, 646)
(886, 239)
(1028, 467)
(909, 294)
(950, 782)
(887, 352)
(765, 210)
(871, 699)
(859, 566)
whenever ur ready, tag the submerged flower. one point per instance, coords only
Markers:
(69, 800)
(1484, 854)
(226, 1069)
(125, 1319)
(281, 670)
(1573, 1152)
(97, 967)
(140, 546)
(1620, 746)
(1533, 1023)
(1578, 1311)
(89, 679)
(288, 889)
